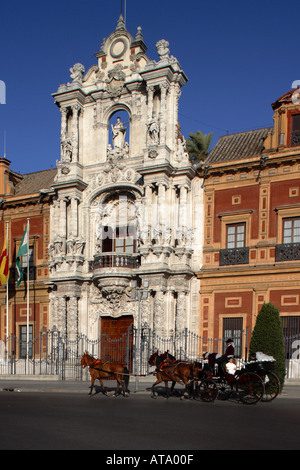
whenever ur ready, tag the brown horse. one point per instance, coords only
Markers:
(106, 370)
(168, 369)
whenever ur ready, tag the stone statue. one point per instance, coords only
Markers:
(66, 150)
(118, 132)
(76, 72)
(153, 132)
(162, 47)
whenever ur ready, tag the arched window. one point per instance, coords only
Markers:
(117, 229)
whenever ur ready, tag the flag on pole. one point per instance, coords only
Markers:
(4, 264)
(22, 251)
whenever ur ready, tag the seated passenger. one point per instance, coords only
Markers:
(231, 366)
(227, 354)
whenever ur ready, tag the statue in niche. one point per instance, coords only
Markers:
(153, 132)
(66, 149)
(118, 132)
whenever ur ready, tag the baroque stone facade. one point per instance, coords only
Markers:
(128, 203)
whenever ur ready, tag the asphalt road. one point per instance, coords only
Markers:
(59, 421)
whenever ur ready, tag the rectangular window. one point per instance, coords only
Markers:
(296, 122)
(25, 259)
(235, 236)
(23, 342)
(291, 230)
(233, 328)
(295, 130)
(120, 240)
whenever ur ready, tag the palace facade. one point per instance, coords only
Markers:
(127, 203)
(251, 248)
(127, 231)
(25, 197)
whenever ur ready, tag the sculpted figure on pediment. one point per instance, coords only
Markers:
(76, 73)
(162, 47)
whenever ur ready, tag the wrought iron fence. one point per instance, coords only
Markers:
(51, 353)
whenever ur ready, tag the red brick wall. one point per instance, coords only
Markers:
(249, 197)
(229, 303)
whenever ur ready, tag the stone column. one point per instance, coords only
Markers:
(181, 312)
(161, 207)
(62, 315)
(182, 215)
(75, 132)
(163, 112)
(72, 318)
(159, 313)
(150, 90)
(148, 214)
(55, 215)
(53, 310)
(73, 218)
(63, 217)
(64, 112)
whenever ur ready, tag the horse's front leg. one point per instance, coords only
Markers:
(124, 386)
(153, 393)
(118, 389)
(92, 385)
(172, 387)
(167, 393)
(104, 391)
(189, 389)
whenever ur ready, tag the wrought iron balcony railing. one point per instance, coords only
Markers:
(115, 260)
(234, 256)
(287, 252)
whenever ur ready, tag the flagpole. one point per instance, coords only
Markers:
(7, 322)
(27, 347)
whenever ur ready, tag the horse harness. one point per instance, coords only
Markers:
(106, 371)
(165, 364)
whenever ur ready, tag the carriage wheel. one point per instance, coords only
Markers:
(271, 385)
(207, 390)
(250, 388)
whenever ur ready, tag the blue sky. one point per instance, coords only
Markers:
(239, 57)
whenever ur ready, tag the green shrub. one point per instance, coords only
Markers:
(267, 337)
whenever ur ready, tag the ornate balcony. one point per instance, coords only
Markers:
(113, 272)
(287, 252)
(234, 256)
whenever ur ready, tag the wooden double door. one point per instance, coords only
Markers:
(117, 339)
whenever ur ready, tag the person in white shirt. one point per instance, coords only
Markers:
(231, 366)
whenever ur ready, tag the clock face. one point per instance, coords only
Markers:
(118, 48)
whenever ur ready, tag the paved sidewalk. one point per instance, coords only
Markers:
(23, 384)
(141, 386)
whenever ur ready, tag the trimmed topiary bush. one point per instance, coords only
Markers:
(267, 337)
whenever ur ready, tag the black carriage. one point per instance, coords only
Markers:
(265, 370)
(246, 386)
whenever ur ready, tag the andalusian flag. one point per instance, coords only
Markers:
(22, 251)
(4, 265)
